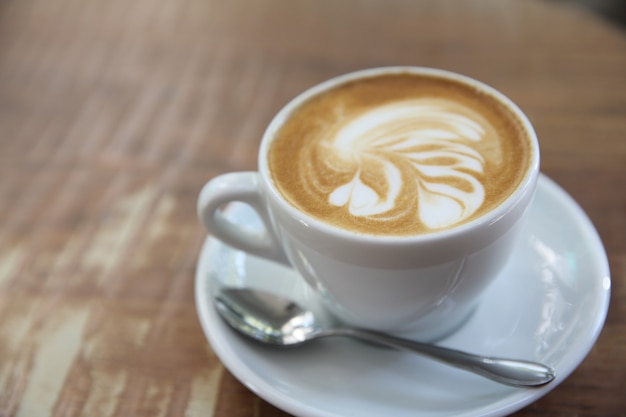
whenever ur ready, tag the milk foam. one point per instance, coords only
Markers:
(431, 140)
(399, 155)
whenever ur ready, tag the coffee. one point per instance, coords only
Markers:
(399, 154)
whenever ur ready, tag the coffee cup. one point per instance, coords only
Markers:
(396, 193)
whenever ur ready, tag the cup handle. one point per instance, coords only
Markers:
(243, 187)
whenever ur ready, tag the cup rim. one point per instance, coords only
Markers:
(489, 218)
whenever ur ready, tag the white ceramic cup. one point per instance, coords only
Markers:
(425, 285)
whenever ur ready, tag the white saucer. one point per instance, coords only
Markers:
(548, 305)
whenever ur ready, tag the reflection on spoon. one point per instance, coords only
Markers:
(276, 321)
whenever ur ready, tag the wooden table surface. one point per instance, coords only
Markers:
(113, 114)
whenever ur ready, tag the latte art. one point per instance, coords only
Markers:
(399, 154)
(420, 144)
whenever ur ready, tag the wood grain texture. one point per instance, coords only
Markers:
(113, 114)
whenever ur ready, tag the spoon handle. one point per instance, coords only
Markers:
(518, 373)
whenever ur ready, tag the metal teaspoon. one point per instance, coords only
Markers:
(274, 320)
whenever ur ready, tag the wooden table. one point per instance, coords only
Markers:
(113, 114)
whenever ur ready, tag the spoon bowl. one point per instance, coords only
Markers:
(276, 321)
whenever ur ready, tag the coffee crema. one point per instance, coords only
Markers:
(399, 154)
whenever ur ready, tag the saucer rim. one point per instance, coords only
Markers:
(214, 329)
